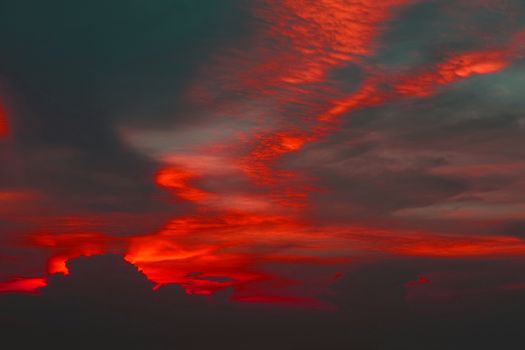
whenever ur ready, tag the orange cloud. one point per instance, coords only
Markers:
(178, 180)
(21, 284)
(63, 247)
(453, 69)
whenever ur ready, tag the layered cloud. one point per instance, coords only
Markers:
(215, 146)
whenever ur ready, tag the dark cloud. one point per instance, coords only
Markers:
(107, 302)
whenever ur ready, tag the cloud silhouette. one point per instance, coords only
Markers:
(105, 301)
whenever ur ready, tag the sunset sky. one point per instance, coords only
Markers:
(265, 151)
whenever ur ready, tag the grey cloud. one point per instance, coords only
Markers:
(73, 71)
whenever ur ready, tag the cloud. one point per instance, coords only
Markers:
(254, 151)
(105, 300)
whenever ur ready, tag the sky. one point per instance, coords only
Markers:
(270, 160)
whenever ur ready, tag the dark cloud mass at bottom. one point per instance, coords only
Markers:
(262, 174)
(106, 302)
